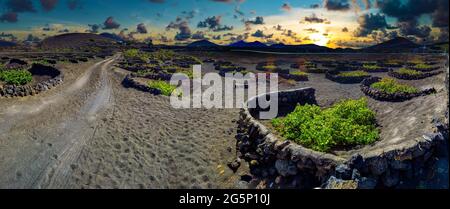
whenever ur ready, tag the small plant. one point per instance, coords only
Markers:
(391, 86)
(406, 71)
(299, 73)
(269, 67)
(371, 67)
(165, 88)
(16, 77)
(347, 123)
(353, 74)
(423, 66)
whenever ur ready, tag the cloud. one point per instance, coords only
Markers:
(409, 12)
(110, 24)
(286, 7)
(19, 6)
(10, 17)
(184, 32)
(48, 5)
(370, 22)
(199, 35)
(257, 21)
(93, 28)
(311, 30)
(141, 28)
(337, 5)
(260, 34)
(214, 23)
(73, 4)
(314, 19)
(314, 6)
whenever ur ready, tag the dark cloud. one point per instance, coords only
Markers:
(412, 28)
(19, 6)
(345, 29)
(110, 24)
(257, 21)
(199, 35)
(337, 5)
(409, 12)
(218, 37)
(93, 28)
(286, 7)
(184, 32)
(65, 30)
(260, 34)
(214, 23)
(370, 22)
(440, 16)
(141, 28)
(73, 4)
(10, 17)
(189, 14)
(314, 19)
(311, 30)
(314, 6)
(48, 5)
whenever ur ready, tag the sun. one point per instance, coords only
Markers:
(319, 39)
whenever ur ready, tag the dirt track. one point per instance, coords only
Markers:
(93, 133)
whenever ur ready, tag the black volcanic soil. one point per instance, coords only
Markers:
(91, 132)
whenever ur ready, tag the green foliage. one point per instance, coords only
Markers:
(423, 66)
(16, 77)
(136, 54)
(353, 74)
(391, 86)
(346, 123)
(42, 62)
(300, 73)
(406, 71)
(371, 67)
(165, 88)
(269, 67)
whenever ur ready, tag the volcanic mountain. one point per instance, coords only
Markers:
(398, 44)
(75, 40)
(202, 43)
(243, 44)
(6, 43)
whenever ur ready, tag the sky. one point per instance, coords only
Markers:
(332, 23)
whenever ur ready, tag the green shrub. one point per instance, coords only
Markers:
(16, 77)
(269, 67)
(353, 74)
(165, 88)
(371, 67)
(346, 123)
(423, 66)
(391, 86)
(136, 54)
(300, 73)
(406, 71)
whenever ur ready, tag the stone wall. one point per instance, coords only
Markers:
(395, 97)
(344, 80)
(413, 77)
(130, 81)
(292, 165)
(29, 90)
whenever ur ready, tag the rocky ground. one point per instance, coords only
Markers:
(91, 132)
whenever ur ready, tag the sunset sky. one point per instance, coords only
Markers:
(333, 23)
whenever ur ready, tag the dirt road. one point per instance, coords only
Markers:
(94, 133)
